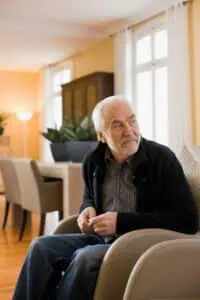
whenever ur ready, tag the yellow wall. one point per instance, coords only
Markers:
(97, 58)
(19, 92)
(194, 22)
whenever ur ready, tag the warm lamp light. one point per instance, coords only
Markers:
(24, 116)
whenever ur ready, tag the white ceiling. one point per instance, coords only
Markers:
(34, 33)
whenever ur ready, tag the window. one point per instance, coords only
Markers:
(60, 77)
(151, 82)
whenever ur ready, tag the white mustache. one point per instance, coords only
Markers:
(129, 140)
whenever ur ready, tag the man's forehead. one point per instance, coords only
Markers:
(119, 111)
(122, 118)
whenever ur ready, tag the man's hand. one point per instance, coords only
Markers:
(104, 224)
(84, 219)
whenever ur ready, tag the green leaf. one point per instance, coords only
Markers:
(3, 118)
(80, 130)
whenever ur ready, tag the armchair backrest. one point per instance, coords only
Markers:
(36, 172)
(190, 161)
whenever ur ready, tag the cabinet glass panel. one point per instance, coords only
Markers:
(78, 103)
(91, 98)
(67, 105)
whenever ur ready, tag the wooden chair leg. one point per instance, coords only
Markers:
(42, 224)
(23, 223)
(60, 215)
(5, 217)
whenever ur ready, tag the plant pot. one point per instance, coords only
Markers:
(72, 151)
(1, 130)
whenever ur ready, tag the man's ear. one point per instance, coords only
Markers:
(100, 137)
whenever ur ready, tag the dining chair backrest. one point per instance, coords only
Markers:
(29, 191)
(10, 180)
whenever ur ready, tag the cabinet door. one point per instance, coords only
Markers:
(79, 108)
(67, 104)
(81, 95)
(91, 98)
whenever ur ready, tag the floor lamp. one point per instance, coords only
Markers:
(25, 116)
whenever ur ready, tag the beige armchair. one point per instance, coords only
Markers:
(37, 195)
(168, 270)
(121, 257)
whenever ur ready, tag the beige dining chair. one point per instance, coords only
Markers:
(11, 186)
(37, 194)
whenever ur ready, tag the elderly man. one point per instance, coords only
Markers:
(130, 183)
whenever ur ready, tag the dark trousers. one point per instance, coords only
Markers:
(61, 267)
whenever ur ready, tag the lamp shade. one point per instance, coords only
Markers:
(24, 115)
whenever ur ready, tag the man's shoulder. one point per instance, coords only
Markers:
(155, 150)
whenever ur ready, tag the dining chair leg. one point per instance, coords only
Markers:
(60, 215)
(42, 224)
(23, 223)
(5, 217)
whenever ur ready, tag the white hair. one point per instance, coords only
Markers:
(98, 111)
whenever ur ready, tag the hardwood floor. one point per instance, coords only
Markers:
(12, 253)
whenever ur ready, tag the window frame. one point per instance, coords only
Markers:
(149, 28)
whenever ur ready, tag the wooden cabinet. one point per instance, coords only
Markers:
(81, 95)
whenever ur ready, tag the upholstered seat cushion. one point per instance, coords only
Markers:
(191, 166)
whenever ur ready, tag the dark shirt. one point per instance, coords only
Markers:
(118, 191)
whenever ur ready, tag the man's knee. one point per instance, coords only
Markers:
(87, 258)
(38, 244)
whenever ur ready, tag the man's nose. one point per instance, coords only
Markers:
(128, 129)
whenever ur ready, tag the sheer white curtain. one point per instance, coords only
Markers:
(46, 82)
(52, 77)
(123, 63)
(46, 109)
(179, 106)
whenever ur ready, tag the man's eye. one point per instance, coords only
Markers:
(117, 125)
(133, 121)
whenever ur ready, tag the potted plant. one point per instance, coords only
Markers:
(2, 123)
(72, 140)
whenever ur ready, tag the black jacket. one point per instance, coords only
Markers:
(164, 199)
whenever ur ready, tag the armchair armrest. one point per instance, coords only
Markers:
(122, 256)
(67, 225)
(168, 270)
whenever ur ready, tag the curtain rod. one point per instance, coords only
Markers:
(185, 2)
(124, 28)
